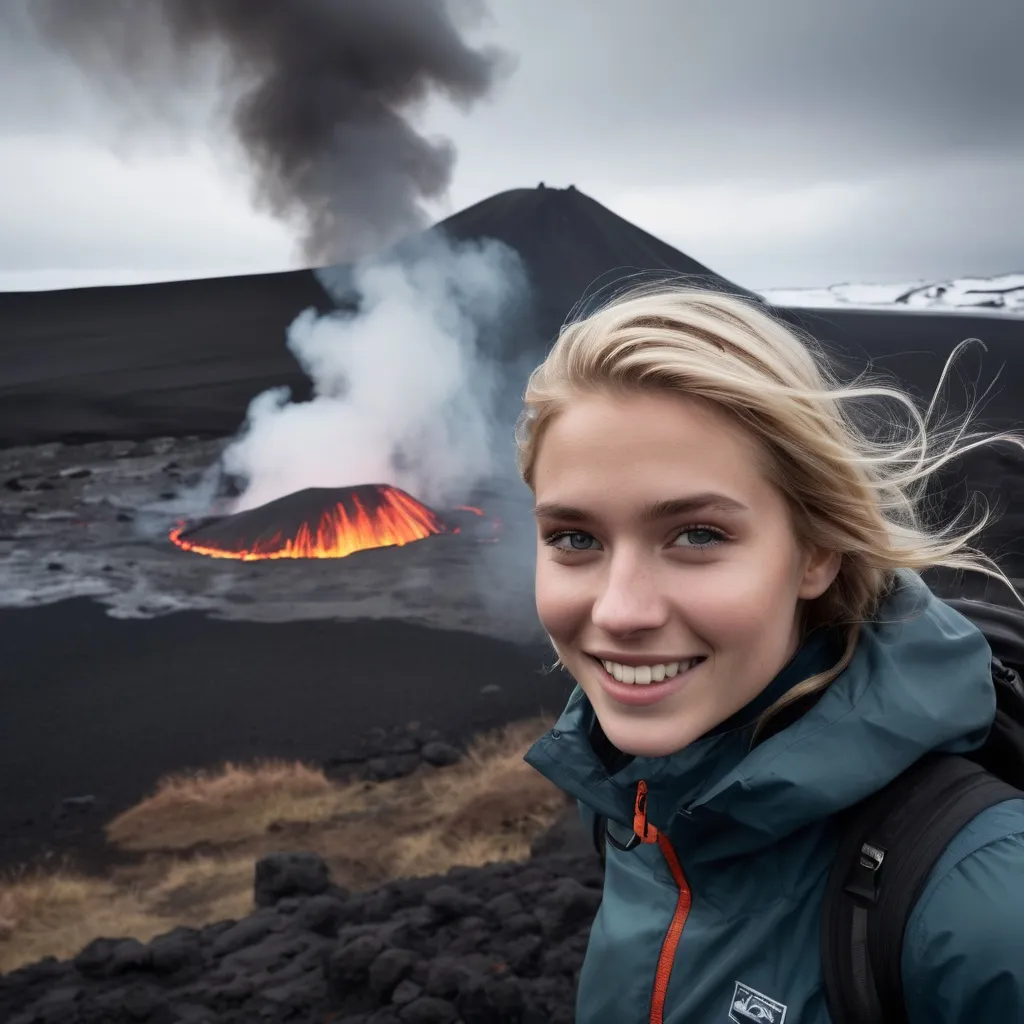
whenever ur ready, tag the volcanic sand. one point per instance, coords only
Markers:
(103, 707)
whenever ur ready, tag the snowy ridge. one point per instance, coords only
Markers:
(1000, 295)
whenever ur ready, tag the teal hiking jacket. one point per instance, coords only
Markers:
(715, 917)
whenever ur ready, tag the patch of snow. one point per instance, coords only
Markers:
(1002, 295)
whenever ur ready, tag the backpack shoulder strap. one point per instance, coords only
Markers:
(888, 846)
(597, 835)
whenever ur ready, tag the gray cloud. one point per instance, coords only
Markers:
(318, 95)
(787, 87)
(913, 104)
(960, 220)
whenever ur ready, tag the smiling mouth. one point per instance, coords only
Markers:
(643, 675)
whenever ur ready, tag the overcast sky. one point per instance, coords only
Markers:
(780, 142)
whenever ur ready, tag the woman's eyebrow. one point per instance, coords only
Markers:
(653, 511)
(553, 510)
(707, 502)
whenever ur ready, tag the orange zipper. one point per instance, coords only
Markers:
(647, 833)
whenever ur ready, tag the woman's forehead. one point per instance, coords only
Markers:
(657, 428)
(645, 450)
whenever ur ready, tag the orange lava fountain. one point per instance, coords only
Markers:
(316, 523)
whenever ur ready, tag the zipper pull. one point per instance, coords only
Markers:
(642, 828)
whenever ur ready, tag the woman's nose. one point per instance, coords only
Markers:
(630, 600)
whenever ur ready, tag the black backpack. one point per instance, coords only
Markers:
(890, 841)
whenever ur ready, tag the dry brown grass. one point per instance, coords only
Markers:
(57, 913)
(232, 803)
(199, 835)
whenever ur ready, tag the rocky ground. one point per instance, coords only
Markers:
(501, 944)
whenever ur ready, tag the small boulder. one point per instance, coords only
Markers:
(450, 903)
(439, 754)
(391, 766)
(289, 874)
(74, 805)
(129, 955)
(567, 907)
(94, 960)
(388, 969)
(245, 933)
(405, 992)
(175, 950)
(566, 835)
(349, 964)
(428, 1010)
(403, 745)
(322, 915)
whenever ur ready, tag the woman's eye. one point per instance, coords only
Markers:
(698, 537)
(573, 540)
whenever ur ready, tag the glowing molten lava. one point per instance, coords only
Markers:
(319, 522)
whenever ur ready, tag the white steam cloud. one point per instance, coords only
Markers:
(402, 393)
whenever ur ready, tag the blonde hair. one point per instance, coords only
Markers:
(852, 490)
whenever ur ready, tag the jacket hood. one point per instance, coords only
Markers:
(920, 681)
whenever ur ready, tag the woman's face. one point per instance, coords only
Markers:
(668, 572)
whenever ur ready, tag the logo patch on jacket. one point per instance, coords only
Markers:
(752, 1007)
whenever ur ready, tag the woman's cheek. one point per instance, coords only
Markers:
(732, 602)
(559, 601)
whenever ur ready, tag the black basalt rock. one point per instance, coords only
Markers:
(500, 944)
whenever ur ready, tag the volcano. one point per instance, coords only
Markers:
(318, 522)
(73, 368)
(572, 249)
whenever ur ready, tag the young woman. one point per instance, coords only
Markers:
(716, 537)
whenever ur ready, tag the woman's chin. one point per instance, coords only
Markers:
(646, 739)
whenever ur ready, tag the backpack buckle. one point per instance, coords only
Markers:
(863, 881)
(871, 857)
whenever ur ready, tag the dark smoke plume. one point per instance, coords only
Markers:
(320, 95)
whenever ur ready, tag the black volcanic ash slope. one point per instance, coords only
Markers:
(187, 357)
(147, 360)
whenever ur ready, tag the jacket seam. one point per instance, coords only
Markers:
(769, 761)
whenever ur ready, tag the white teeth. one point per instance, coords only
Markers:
(646, 674)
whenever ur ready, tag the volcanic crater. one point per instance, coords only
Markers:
(326, 522)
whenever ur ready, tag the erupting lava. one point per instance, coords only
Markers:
(319, 522)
